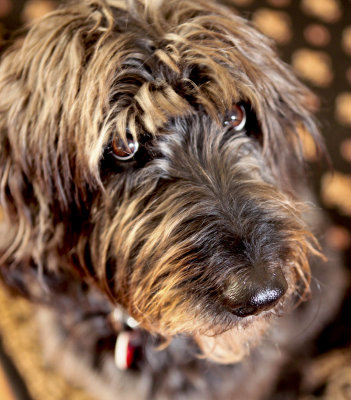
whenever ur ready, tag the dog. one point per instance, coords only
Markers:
(155, 203)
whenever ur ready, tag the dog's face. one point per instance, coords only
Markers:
(152, 150)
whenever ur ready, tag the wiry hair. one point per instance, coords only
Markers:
(167, 234)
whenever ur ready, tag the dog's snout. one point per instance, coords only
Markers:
(259, 292)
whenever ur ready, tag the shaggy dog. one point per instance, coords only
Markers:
(153, 191)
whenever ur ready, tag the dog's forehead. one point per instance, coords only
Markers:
(200, 58)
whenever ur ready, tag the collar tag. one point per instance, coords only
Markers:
(129, 340)
(124, 350)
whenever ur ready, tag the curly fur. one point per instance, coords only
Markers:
(170, 236)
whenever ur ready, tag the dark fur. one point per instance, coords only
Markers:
(174, 235)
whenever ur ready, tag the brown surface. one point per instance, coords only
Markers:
(5, 389)
(21, 340)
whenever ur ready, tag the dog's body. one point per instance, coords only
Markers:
(151, 163)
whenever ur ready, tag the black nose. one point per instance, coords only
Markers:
(260, 291)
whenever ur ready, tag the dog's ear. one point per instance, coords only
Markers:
(285, 109)
(291, 138)
(40, 181)
(23, 221)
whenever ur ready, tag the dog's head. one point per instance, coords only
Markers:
(152, 149)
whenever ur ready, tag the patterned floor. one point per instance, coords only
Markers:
(314, 36)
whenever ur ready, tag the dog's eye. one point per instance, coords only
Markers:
(236, 118)
(124, 150)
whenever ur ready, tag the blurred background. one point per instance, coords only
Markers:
(314, 36)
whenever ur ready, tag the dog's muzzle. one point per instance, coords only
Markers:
(258, 291)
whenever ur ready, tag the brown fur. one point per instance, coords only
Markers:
(159, 235)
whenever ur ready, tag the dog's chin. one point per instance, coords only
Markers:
(234, 344)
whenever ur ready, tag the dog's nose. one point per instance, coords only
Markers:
(259, 292)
